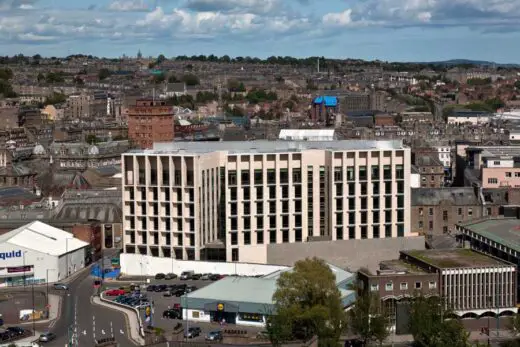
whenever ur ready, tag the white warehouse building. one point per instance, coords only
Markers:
(39, 253)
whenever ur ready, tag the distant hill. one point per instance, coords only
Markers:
(454, 62)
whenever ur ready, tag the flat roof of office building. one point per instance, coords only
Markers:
(265, 146)
(454, 258)
(504, 231)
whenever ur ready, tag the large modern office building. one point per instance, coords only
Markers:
(197, 200)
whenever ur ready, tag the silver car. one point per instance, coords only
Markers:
(47, 337)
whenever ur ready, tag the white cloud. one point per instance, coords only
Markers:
(338, 19)
(241, 19)
(128, 5)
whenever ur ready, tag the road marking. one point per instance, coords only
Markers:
(102, 331)
(121, 331)
(84, 332)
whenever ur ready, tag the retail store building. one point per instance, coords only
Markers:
(247, 300)
(39, 253)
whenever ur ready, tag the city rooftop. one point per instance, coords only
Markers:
(264, 146)
(505, 231)
(454, 258)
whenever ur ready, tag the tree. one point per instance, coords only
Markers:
(190, 79)
(55, 98)
(368, 319)
(307, 303)
(103, 74)
(429, 327)
(161, 58)
(158, 78)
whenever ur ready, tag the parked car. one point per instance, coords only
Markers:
(180, 292)
(205, 277)
(161, 288)
(168, 293)
(172, 313)
(214, 336)
(196, 277)
(47, 337)
(186, 275)
(115, 292)
(170, 276)
(160, 276)
(61, 286)
(4, 336)
(190, 289)
(214, 277)
(192, 332)
(15, 331)
(151, 288)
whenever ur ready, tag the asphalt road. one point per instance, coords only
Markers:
(86, 321)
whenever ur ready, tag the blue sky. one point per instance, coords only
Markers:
(396, 30)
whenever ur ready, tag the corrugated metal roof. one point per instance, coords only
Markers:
(43, 238)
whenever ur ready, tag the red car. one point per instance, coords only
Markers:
(115, 292)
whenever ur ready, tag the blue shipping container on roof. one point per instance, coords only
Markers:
(330, 101)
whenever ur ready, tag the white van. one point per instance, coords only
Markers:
(186, 275)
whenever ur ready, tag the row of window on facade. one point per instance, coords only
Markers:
(283, 174)
(389, 286)
(460, 212)
(273, 176)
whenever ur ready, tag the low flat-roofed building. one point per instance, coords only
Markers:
(473, 284)
(499, 237)
(248, 300)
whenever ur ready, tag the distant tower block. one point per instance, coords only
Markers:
(139, 54)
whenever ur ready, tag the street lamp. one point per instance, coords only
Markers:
(33, 320)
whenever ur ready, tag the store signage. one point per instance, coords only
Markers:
(12, 254)
(19, 269)
(220, 307)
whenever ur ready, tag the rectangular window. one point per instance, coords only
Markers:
(363, 173)
(259, 177)
(245, 177)
(432, 285)
(232, 177)
(338, 174)
(403, 286)
(247, 238)
(259, 237)
(351, 176)
(389, 286)
(375, 172)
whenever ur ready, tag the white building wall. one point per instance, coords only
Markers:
(143, 265)
(40, 262)
(415, 180)
(74, 260)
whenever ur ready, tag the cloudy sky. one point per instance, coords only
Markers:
(398, 30)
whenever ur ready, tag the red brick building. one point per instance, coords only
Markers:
(150, 121)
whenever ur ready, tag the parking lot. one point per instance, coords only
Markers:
(11, 303)
(162, 303)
